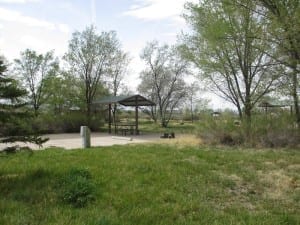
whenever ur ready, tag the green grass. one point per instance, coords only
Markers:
(154, 184)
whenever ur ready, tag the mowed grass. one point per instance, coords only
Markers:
(154, 184)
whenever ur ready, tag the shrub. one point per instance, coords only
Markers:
(274, 130)
(220, 131)
(65, 123)
(78, 188)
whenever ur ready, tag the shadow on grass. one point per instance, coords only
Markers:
(31, 187)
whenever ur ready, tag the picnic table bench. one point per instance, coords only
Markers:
(125, 129)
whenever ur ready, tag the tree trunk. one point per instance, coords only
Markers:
(88, 115)
(247, 121)
(192, 113)
(296, 98)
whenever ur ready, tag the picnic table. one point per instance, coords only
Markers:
(125, 128)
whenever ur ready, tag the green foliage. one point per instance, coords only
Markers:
(89, 56)
(228, 46)
(33, 69)
(220, 131)
(284, 28)
(62, 93)
(103, 221)
(78, 188)
(68, 122)
(267, 130)
(14, 116)
(162, 80)
(275, 130)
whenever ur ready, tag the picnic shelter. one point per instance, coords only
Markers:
(125, 100)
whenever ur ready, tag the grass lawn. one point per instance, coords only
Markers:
(154, 184)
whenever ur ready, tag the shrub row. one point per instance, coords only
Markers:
(65, 123)
(265, 131)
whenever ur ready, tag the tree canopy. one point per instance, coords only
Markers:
(162, 79)
(89, 58)
(227, 45)
(13, 112)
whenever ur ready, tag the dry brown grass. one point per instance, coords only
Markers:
(239, 192)
(277, 183)
(183, 141)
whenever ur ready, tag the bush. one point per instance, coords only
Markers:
(220, 131)
(274, 130)
(65, 123)
(78, 188)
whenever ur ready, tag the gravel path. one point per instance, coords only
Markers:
(73, 141)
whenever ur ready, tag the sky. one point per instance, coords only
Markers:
(44, 25)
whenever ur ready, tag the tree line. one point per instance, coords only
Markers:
(37, 90)
(246, 50)
(241, 50)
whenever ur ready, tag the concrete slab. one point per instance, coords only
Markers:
(73, 141)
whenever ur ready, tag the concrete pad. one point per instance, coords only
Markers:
(73, 141)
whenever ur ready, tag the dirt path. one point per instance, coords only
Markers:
(73, 141)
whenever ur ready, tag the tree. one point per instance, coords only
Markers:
(62, 92)
(228, 46)
(193, 90)
(89, 59)
(119, 61)
(33, 70)
(12, 111)
(284, 16)
(162, 80)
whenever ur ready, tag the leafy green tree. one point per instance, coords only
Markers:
(33, 70)
(162, 80)
(89, 59)
(119, 62)
(229, 48)
(13, 113)
(284, 17)
(63, 92)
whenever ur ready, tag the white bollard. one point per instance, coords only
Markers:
(85, 134)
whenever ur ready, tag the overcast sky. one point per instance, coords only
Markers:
(44, 25)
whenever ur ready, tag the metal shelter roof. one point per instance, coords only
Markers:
(131, 100)
(268, 104)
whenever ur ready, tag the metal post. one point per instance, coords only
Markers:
(136, 117)
(109, 118)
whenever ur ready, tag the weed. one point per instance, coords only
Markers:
(78, 188)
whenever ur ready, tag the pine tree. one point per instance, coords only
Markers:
(13, 113)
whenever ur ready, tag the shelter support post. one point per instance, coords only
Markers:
(136, 117)
(109, 118)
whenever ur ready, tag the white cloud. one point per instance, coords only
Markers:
(156, 9)
(7, 15)
(15, 16)
(19, 32)
(18, 1)
(64, 28)
(1, 42)
(32, 42)
(171, 34)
